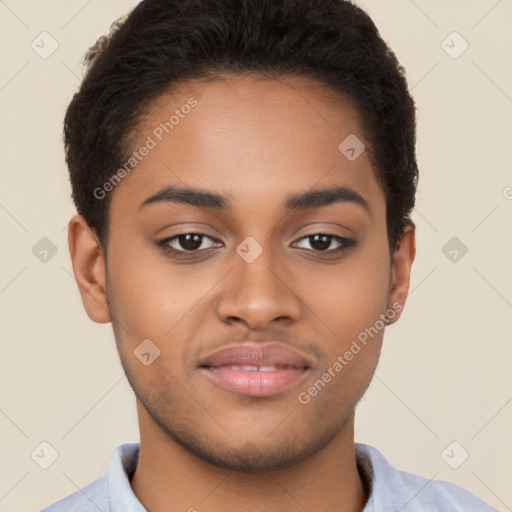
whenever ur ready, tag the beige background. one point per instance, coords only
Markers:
(444, 374)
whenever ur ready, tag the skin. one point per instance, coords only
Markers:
(255, 141)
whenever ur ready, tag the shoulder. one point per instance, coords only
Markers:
(413, 493)
(112, 489)
(88, 499)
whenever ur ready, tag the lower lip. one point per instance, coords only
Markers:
(255, 382)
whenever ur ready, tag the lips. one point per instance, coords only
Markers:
(255, 370)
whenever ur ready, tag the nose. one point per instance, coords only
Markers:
(258, 293)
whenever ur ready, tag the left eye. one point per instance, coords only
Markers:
(323, 240)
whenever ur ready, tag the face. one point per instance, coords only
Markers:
(255, 292)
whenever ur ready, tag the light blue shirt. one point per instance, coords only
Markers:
(392, 490)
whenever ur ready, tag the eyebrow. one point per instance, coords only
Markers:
(314, 198)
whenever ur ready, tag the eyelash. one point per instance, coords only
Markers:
(347, 243)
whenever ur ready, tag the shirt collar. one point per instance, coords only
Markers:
(121, 466)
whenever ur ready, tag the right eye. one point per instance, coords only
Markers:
(189, 242)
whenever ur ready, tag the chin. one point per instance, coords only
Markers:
(249, 458)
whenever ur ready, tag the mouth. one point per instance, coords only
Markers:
(256, 370)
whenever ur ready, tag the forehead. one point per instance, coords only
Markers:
(252, 139)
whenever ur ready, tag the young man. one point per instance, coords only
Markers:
(244, 171)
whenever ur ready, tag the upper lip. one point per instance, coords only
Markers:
(247, 354)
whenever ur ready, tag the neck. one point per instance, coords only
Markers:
(171, 479)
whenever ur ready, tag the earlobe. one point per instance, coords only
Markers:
(89, 269)
(405, 252)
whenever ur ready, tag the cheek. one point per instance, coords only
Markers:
(348, 297)
(152, 299)
(350, 306)
(145, 292)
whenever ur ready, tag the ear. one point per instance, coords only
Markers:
(404, 254)
(89, 269)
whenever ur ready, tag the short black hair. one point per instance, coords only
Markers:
(162, 43)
